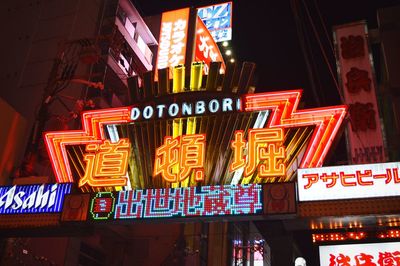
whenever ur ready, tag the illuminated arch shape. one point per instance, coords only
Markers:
(284, 113)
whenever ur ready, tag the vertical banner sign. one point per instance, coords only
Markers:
(206, 50)
(218, 20)
(358, 85)
(173, 36)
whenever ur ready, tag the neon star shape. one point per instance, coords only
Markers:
(284, 113)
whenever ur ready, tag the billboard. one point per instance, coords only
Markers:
(360, 254)
(194, 139)
(206, 49)
(218, 20)
(349, 182)
(173, 38)
(21, 199)
(206, 201)
(355, 66)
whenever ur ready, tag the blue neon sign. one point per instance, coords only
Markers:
(44, 198)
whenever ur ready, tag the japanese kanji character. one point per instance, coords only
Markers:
(166, 157)
(106, 164)
(368, 154)
(216, 202)
(188, 151)
(364, 260)
(333, 177)
(340, 260)
(358, 80)
(362, 116)
(192, 156)
(263, 145)
(360, 176)
(246, 198)
(352, 46)
(344, 177)
(389, 258)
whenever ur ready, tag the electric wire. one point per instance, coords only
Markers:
(333, 75)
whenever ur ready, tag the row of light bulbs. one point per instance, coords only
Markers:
(353, 236)
(228, 51)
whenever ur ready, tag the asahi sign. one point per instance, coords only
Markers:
(45, 198)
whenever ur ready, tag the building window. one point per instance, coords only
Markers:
(130, 27)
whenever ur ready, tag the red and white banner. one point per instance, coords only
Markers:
(358, 85)
(377, 254)
(349, 182)
(206, 50)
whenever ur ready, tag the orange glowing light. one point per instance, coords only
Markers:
(92, 132)
(188, 151)
(284, 114)
(173, 36)
(106, 164)
(263, 145)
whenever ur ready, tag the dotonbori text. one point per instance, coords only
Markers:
(185, 109)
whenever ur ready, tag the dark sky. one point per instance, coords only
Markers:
(265, 32)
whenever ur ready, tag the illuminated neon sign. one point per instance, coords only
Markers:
(173, 36)
(360, 254)
(102, 205)
(187, 152)
(186, 108)
(349, 182)
(107, 165)
(178, 202)
(206, 50)
(45, 198)
(263, 144)
(218, 20)
(265, 152)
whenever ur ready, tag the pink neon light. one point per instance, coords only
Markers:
(283, 105)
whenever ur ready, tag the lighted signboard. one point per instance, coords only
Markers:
(206, 50)
(349, 182)
(45, 198)
(173, 36)
(358, 85)
(218, 20)
(360, 254)
(170, 143)
(177, 202)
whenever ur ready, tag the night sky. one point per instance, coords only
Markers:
(265, 32)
